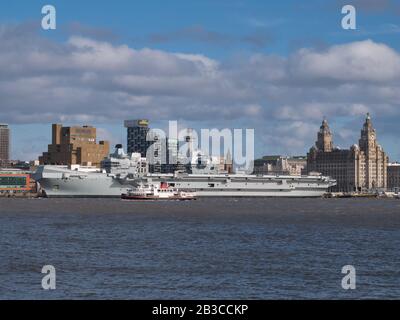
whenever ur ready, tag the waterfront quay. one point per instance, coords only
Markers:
(365, 195)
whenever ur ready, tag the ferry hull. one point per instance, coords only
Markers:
(149, 198)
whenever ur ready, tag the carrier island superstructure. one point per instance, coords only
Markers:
(121, 172)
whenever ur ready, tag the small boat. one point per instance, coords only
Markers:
(157, 192)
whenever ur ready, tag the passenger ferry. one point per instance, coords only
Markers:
(157, 192)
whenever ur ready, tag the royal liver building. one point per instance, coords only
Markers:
(363, 167)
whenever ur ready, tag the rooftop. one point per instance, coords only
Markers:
(272, 157)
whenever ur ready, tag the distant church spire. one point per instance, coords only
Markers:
(228, 166)
(228, 158)
(324, 141)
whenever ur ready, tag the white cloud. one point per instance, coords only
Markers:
(357, 61)
(87, 80)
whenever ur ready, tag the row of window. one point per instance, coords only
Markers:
(12, 181)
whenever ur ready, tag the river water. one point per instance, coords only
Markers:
(205, 249)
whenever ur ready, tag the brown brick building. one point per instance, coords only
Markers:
(75, 145)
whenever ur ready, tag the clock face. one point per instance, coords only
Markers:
(372, 136)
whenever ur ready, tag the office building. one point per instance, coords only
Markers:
(137, 131)
(75, 145)
(162, 155)
(4, 144)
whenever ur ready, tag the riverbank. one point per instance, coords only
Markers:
(28, 195)
(382, 195)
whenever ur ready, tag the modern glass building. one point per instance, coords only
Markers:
(161, 152)
(136, 138)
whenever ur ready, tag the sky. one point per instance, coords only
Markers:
(278, 67)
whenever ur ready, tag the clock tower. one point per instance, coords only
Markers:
(368, 136)
(375, 158)
(362, 168)
(324, 141)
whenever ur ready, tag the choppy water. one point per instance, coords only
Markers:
(207, 249)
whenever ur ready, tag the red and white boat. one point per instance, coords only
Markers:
(157, 192)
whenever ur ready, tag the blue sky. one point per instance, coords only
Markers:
(237, 38)
(291, 24)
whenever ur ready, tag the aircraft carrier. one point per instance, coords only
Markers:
(121, 172)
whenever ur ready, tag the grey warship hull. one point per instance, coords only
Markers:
(61, 182)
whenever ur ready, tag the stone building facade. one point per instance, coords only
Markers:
(363, 167)
(273, 165)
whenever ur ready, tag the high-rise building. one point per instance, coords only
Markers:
(363, 167)
(75, 145)
(172, 155)
(4, 144)
(137, 136)
(161, 152)
(162, 155)
(190, 141)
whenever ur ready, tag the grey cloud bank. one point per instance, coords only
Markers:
(83, 80)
